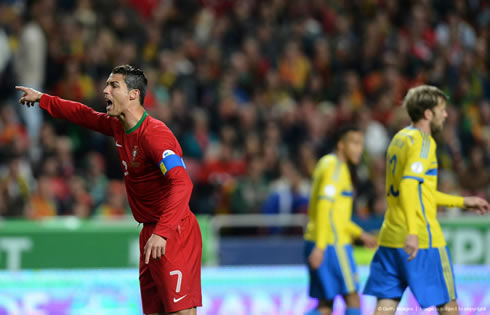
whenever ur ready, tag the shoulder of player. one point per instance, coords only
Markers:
(328, 163)
(411, 138)
(420, 143)
(327, 160)
(156, 128)
(114, 123)
(156, 134)
(409, 134)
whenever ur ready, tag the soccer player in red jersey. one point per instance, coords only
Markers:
(157, 184)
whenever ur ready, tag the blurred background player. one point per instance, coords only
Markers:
(412, 250)
(330, 231)
(171, 281)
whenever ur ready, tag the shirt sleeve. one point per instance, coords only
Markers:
(77, 113)
(325, 198)
(410, 205)
(165, 152)
(417, 163)
(354, 229)
(443, 199)
(178, 201)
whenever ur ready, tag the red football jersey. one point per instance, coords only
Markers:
(153, 197)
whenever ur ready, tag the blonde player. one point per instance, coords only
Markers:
(412, 251)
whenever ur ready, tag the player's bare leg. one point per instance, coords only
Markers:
(352, 300)
(324, 308)
(353, 303)
(450, 308)
(385, 306)
(189, 311)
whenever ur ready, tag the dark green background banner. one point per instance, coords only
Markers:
(468, 239)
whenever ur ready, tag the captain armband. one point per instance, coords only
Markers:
(169, 161)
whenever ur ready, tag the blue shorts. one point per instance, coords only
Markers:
(429, 275)
(336, 275)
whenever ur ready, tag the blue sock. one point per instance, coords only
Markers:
(352, 311)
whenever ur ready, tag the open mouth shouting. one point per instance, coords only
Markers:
(109, 104)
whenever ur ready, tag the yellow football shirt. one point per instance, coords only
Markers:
(411, 191)
(330, 205)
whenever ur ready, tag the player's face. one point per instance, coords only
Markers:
(438, 117)
(116, 95)
(353, 146)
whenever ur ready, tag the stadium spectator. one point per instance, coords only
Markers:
(289, 193)
(43, 202)
(30, 60)
(115, 205)
(79, 202)
(472, 178)
(250, 190)
(95, 178)
(14, 139)
(16, 186)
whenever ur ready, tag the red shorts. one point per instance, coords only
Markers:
(173, 282)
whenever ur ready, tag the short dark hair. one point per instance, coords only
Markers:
(421, 98)
(344, 130)
(134, 78)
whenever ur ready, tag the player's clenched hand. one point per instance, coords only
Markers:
(411, 246)
(316, 258)
(155, 247)
(476, 204)
(368, 240)
(30, 96)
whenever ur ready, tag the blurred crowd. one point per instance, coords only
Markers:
(252, 89)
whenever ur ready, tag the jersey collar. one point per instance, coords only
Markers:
(145, 114)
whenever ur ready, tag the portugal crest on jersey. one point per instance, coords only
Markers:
(134, 153)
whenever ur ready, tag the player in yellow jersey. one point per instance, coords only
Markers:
(330, 231)
(412, 251)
